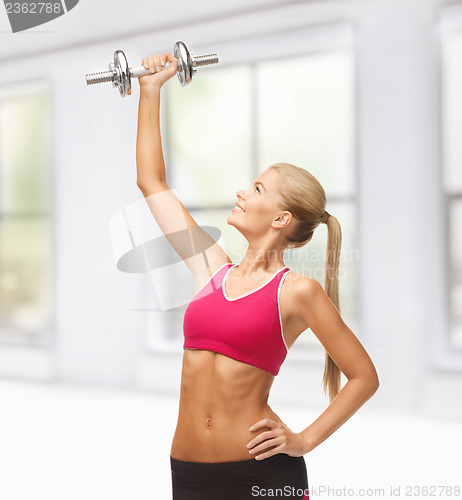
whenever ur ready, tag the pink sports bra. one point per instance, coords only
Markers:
(247, 328)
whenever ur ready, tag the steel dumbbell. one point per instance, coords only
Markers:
(120, 74)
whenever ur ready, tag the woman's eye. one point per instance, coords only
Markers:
(258, 188)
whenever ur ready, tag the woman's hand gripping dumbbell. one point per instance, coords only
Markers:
(162, 66)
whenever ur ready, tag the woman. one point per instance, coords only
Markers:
(228, 442)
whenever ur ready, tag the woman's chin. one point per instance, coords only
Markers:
(231, 220)
(232, 223)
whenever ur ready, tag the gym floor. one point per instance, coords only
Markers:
(69, 442)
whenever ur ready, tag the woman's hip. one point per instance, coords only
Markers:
(278, 474)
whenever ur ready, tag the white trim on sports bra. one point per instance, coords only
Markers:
(248, 293)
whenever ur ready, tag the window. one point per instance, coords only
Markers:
(227, 127)
(25, 208)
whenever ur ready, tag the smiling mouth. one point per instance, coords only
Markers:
(238, 209)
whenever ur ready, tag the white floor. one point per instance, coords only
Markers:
(73, 443)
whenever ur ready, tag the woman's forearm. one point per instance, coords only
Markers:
(150, 164)
(347, 402)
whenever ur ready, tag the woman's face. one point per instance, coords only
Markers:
(261, 204)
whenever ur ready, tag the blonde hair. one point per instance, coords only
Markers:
(304, 197)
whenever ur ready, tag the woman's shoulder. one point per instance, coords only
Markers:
(302, 279)
(300, 286)
(296, 293)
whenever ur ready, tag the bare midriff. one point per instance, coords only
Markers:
(220, 398)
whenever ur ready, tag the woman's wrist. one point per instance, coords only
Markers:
(150, 89)
(308, 443)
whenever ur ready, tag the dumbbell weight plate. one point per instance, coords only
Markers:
(122, 79)
(185, 63)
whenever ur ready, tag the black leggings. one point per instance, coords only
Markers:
(249, 479)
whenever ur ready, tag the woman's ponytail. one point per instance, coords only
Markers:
(332, 374)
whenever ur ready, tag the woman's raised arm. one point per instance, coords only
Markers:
(199, 251)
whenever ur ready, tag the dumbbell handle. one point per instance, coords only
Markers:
(139, 71)
(197, 61)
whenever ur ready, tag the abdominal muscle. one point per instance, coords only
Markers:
(220, 398)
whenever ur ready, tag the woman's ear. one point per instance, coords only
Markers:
(284, 219)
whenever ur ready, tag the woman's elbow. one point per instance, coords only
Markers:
(373, 383)
(369, 382)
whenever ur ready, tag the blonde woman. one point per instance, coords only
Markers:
(228, 442)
